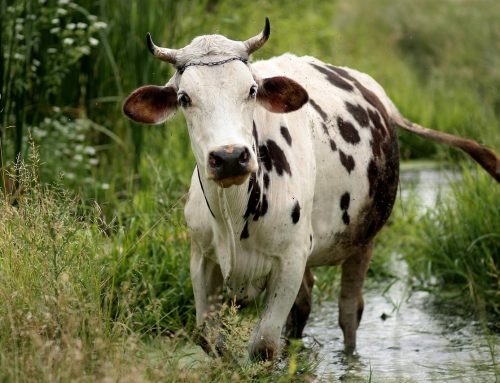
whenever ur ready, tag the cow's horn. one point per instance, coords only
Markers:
(254, 43)
(164, 54)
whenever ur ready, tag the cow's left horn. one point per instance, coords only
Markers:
(254, 43)
(164, 54)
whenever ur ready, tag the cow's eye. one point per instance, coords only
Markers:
(183, 100)
(253, 92)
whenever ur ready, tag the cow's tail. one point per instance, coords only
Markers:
(480, 153)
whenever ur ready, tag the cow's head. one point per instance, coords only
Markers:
(217, 91)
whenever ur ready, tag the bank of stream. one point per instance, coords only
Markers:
(405, 336)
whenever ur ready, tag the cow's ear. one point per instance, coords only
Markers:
(151, 104)
(281, 94)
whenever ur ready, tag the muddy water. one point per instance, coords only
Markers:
(403, 337)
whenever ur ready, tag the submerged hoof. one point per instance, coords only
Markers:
(263, 351)
(349, 349)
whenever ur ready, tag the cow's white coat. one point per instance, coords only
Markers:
(277, 251)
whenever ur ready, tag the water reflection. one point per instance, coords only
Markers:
(403, 337)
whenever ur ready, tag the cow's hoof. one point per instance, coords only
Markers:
(263, 351)
(211, 341)
(349, 349)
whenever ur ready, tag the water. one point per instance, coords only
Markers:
(403, 337)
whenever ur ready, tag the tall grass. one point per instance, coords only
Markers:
(59, 271)
(457, 245)
(50, 291)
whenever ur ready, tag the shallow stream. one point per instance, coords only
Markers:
(403, 337)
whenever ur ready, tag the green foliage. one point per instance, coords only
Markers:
(458, 243)
(51, 312)
(57, 268)
(42, 46)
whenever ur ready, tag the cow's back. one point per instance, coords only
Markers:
(355, 149)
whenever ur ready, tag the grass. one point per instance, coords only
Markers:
(81, 305)
(458, 243)
(453, 247)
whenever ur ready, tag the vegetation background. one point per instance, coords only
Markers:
(94, 280)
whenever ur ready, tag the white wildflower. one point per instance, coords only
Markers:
(93, 41)
(100, 25)
(90, 150)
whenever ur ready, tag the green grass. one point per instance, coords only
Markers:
(79, 304)
(457, 246)
(453, 249)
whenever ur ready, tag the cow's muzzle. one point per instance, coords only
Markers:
(230, 165)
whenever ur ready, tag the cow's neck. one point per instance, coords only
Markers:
(228, 206)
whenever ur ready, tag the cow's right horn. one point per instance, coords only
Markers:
(164, 54)
(254, 43)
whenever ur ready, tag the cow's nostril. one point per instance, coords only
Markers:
(243, 158)
(215, 161)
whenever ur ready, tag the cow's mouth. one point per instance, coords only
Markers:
(231, 181)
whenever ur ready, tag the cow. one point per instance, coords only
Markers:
(297, 165)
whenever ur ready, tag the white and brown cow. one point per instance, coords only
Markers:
(297, 166)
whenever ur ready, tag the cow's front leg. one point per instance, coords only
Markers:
(282, 288)
(297, 318)
(351, 294)
(207, 283)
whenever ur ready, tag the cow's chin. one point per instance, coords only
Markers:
(231, 181)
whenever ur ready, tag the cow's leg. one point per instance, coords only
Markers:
(207, 283)
(351, 294)
(282, 288)
(301, 308)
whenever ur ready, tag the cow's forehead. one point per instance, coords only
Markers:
(228, 76)
(211, 47)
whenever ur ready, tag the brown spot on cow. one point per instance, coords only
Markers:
(344, 206)
(347, 161)
(377, 123)
(264, 157)
(367, 94)
(333, 78)
(253, 200)
(286, 135)
(325, 129)
(244, 233)
(359, 114)
(266, 180)
(376, 143)
(345, 200)
(296, 212)
(278, 158)
(372, 176)
(318, 109)
(333, 146)
(345, 218)
(348, 131)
